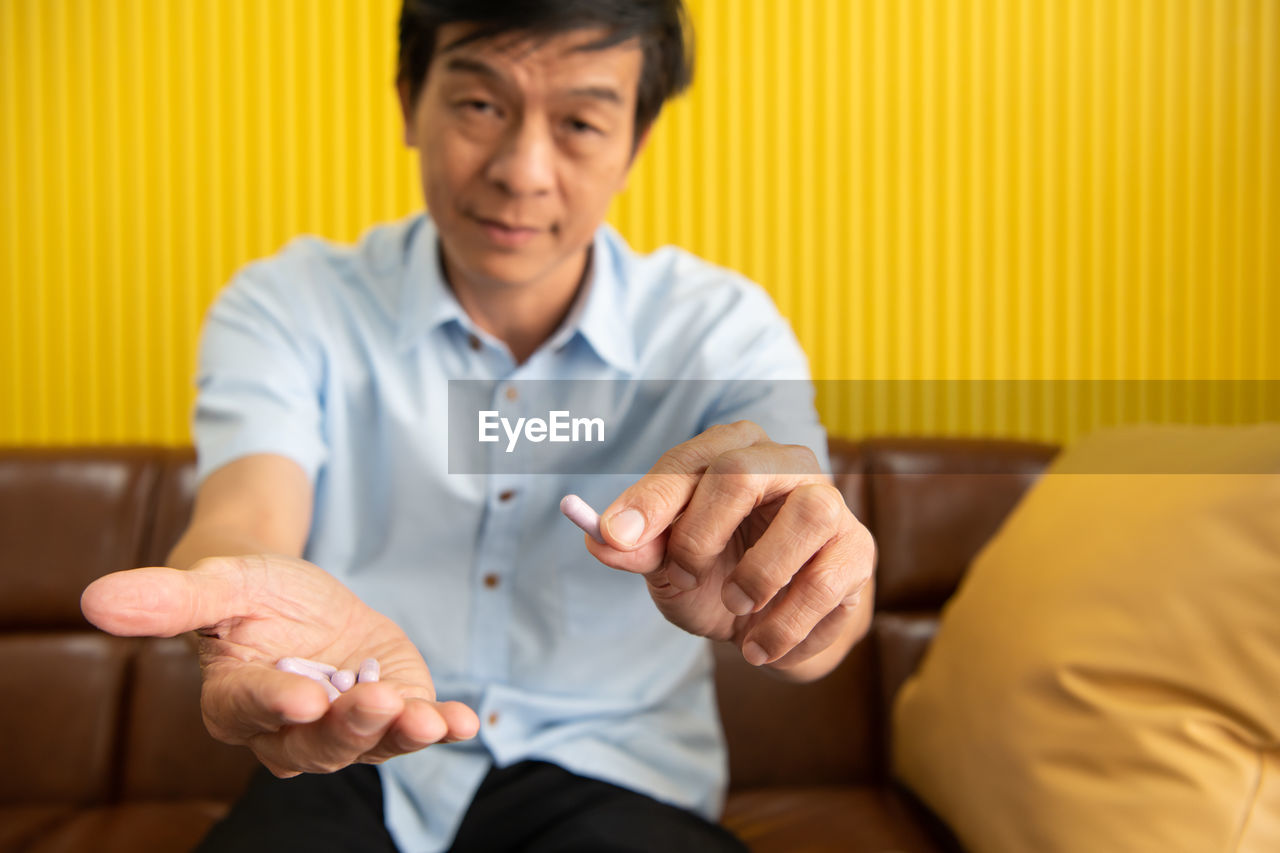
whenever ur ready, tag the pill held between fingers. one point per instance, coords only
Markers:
(580, 513)
(370, 670)
(343, 679)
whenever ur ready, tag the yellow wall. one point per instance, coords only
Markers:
(931, 189)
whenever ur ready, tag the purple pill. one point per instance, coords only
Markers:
(343, 679)
(324, 668)
(298, 667)
(580, 513)
(370, 670)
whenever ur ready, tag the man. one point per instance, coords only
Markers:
(320, 429)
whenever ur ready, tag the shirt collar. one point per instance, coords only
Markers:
(426, 302)
(599, 314)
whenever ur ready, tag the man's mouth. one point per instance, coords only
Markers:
(507, 234)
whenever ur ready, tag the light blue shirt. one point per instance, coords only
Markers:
(340, 358)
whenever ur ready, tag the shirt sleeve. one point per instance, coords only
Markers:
(770, 384)
(259, 379)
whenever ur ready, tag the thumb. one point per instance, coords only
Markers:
(645, 510)
(650, 505)
(162, 602)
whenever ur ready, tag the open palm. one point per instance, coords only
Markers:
(251, 611)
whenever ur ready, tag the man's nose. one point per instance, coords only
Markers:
(524, 164)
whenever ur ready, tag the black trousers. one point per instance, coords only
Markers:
(531, 806)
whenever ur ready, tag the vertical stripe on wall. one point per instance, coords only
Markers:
(930, 189)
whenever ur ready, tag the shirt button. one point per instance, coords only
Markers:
(507, 495)
(491, 581)
(474, 342)
(493, 718)
(512, 393)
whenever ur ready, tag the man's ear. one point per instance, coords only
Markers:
(406, 111)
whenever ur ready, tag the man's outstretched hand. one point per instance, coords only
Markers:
(744, 540)
(251, 611)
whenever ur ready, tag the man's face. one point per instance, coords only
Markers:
(523, 145)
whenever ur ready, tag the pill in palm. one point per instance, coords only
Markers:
(298, 667)
(315, 666)
(580, 513)
(335, 681)
(301, 666)
(327, 669)
(343, 679)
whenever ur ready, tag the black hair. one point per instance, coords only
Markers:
(666, 37)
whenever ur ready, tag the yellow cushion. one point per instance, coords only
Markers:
(1108, 675)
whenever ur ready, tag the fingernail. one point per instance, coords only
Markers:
(680, 578)
(738, 602)
(367, 721)
(754, 654)
(626, 526)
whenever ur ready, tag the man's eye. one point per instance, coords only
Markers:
(579, 126)
(479, 107)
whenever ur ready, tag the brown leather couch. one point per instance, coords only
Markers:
(103, 744)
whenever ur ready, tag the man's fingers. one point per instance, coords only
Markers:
(422, 724)
(356, 721)
(462, 720)
(733, 486)
(161, 602)
(808, 518)
(368, 724)
(826, 632)
(243, 700)
(417, 727)
(649, 505)
(830, 583)
(641, 561)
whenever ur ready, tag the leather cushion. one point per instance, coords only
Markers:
(168, 753)
(935, 503)
(174, 499)
(132, 827)
(67, 517)
(61, 711)
(782, 733)
(901, 640)
(844, 819)
(22, 825)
